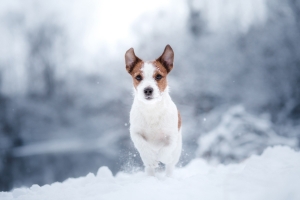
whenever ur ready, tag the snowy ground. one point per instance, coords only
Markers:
(273, 175)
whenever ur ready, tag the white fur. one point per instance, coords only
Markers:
(154, 125)
(148, 81)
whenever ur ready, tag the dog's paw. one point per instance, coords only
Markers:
(169, 170)
(150, 171)
(150, 168)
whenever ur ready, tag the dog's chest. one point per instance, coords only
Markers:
(156, 126)
(151, 120)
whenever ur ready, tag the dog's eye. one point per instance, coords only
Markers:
(138, 77)
(158, 77)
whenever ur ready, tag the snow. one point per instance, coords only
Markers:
(239, 135)
(273, 175)
(63, 146)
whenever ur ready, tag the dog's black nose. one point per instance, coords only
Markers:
(148, 91)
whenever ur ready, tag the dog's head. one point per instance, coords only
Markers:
(150, 77)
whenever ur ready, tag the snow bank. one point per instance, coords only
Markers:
(238, 136)
(273, 175)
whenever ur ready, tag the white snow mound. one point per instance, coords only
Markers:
(273, 175)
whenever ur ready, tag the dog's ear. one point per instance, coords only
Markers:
(131, 60)
(167, 58)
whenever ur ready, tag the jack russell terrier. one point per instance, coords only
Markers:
(155, 123)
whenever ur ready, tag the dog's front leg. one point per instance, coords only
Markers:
(165, 154)
(148, 155)
(170, 153)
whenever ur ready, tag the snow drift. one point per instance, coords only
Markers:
(239, 135)
(273, 175)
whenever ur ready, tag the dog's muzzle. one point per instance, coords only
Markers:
(148, 91)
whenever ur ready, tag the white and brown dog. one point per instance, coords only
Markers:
(155, 123)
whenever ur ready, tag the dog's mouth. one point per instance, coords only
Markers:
(149, 98)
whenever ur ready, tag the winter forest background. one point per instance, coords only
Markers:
(65, 95)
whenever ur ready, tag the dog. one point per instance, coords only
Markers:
(155, 122)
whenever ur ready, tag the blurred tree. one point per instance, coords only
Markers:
(42, 61)
(295, 112)
(196, 23)
(10, 138)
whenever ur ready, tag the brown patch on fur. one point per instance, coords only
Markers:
(179, 120)
(160, 69)
(167, 58)
(136, 70)
(131, 60)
